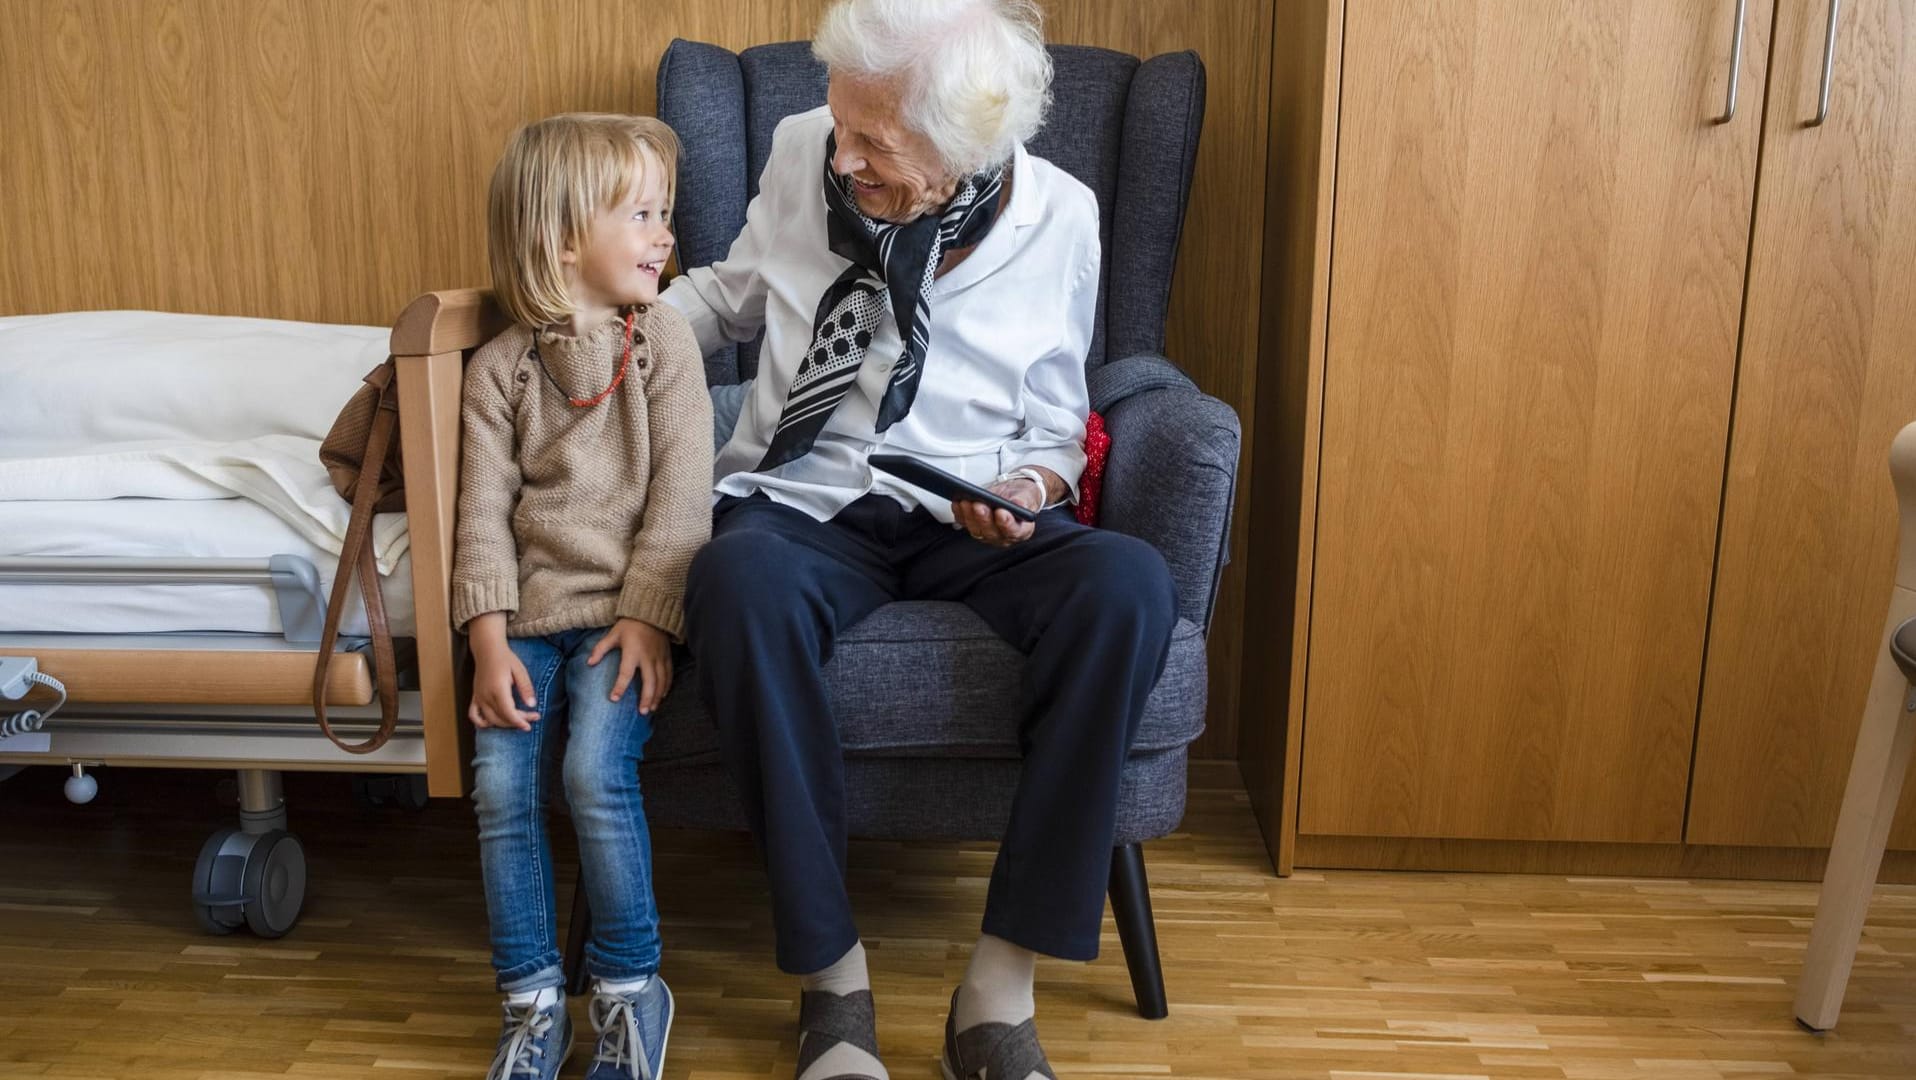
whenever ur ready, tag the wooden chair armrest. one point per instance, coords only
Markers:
(431, 338)
(446, 322)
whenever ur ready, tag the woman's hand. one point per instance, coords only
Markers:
(643, 648)
(997, 527)
(497, 672)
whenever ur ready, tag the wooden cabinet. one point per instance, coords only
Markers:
(1828, 377)
(1597, 528)
(1537, 266)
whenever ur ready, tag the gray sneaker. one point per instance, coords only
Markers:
(533, 1043)
(632, 1031)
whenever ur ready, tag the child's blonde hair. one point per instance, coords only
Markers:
(554, 176)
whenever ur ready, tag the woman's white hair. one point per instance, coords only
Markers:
(977, 79)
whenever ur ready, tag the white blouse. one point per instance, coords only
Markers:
(1004, 382)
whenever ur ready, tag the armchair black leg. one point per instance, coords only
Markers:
(1131, 906)
(578, 928)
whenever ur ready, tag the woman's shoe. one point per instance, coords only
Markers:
(996, 1051)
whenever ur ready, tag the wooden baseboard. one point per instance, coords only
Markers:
(1596, 860)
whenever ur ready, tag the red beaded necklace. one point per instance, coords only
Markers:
(625, 364)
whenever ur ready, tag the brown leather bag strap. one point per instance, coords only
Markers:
(385, 666)
(356, 554)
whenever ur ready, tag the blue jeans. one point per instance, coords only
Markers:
(512, 775)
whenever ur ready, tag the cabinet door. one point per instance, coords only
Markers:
(1537, 264)
(1828, 377)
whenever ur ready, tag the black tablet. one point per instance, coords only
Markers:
(939, 482)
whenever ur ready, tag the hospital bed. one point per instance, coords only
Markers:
(167, 541)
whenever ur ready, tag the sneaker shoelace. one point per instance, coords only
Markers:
(616, 1018)
(520, 1052)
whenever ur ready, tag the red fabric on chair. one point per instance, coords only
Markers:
(1097, 446)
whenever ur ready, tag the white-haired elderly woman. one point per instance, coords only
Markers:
(927, 287)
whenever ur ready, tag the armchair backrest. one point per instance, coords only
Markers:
(1127, 128)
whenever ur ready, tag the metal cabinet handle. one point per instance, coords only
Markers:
(1829, 66)
(1736, 64)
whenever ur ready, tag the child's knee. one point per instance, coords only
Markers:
(501, 787)
(600, 782)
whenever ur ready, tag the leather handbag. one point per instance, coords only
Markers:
(361, 454)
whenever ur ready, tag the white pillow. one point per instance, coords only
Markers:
(72, 381)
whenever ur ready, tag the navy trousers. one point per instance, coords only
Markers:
(1091, 610)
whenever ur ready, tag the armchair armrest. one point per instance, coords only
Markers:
(1171, 478)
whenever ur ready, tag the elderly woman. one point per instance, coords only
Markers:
(926, 287)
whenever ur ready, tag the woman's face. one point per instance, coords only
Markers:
(896, 174)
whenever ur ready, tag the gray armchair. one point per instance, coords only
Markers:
(939, 758)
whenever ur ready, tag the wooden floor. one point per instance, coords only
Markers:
(1342, 974)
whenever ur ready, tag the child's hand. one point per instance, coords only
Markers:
(644, 648)
(496, 673)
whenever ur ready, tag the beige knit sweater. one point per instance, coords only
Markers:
(572, 517)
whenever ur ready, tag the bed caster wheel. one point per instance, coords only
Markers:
(216, 874)
(275, 883)
(258, 879)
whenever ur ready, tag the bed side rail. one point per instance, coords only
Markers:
(294, 580)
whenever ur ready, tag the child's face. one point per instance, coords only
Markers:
(626, 249)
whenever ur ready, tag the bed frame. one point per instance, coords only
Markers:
(244, 701)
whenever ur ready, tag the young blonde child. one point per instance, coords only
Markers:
(585, 490)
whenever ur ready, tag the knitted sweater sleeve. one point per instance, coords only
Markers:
(678, 502)
(485, 562)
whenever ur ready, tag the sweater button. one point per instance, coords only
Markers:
(525, 376)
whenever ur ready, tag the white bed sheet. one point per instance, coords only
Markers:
(279, 473)
(233, 528)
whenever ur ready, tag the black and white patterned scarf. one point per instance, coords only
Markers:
(887, 259)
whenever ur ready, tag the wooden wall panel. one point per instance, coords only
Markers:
(1306, 51)
(1214, 312)
(326, 160)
